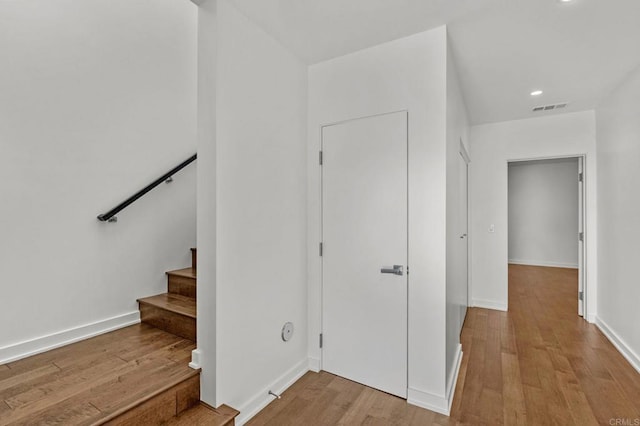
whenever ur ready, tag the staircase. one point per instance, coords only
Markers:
(174, 311)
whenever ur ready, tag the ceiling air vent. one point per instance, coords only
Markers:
(550, 107)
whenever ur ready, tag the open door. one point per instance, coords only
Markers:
(581, 263)
(463, 226)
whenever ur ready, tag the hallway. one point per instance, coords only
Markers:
(539, 363)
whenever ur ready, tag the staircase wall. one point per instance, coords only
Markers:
(98, 99)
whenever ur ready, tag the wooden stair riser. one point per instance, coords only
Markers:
(184, 286)
(172, 322)
(162, 407)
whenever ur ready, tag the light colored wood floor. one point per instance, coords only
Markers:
(538, 364)
(93, 379)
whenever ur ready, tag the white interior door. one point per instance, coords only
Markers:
(463, 226)
(364, 219)
(581, 236)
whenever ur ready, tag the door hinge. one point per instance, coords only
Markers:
(581, 236)
(320, 340)
(580, 177)
(320, 157)
(321, 249)
(581, 295)
(407, 269)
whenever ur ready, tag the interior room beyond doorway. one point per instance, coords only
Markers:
(545, 201)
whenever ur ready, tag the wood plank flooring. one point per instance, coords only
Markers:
(93, 380)
(538, 364)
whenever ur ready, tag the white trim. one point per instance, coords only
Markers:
(419, 398)
(544, 263)
(620, 344)
(591, 318)
(453, 378)
(438, 403)
(314, 364)
(55, 340)
(196, 356)
(261, 399)
(489, 304)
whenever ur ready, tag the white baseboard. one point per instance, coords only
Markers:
(620, 344)
(419, 398)
(262, 398)
(55, 340)
(196, 356)
(439, 404)
(453, 378)
(591, 318)
(314, 364)
(489, 304)
(543, 263)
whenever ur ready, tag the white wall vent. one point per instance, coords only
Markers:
(550, 107)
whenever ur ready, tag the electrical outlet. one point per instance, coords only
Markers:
(287, 331)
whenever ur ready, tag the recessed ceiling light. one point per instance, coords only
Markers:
(565, 1)
(536, 93)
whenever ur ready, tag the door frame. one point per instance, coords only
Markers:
(322, 310)
(583, 211)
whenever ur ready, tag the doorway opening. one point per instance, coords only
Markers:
(546, 231)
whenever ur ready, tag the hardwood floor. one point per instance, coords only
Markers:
(99, 379)
(538, 364)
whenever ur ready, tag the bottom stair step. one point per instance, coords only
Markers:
(170, 312)
(137, 375)
(160, 406)
(203, 414)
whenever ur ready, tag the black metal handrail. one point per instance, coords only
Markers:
(110, 215)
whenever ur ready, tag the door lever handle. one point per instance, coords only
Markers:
(396, 270)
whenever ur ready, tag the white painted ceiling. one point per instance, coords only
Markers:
(575, 52)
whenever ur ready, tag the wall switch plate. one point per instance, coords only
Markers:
(492, 228)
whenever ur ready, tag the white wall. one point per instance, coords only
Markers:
(98, 99)
(260, 214)
(406, 74)
(457, 131)
(543, 212)
(206, 206)
(492, 146)
(618, 133)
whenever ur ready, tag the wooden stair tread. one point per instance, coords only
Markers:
(175, 303)
(204, 414)
(185, 272)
